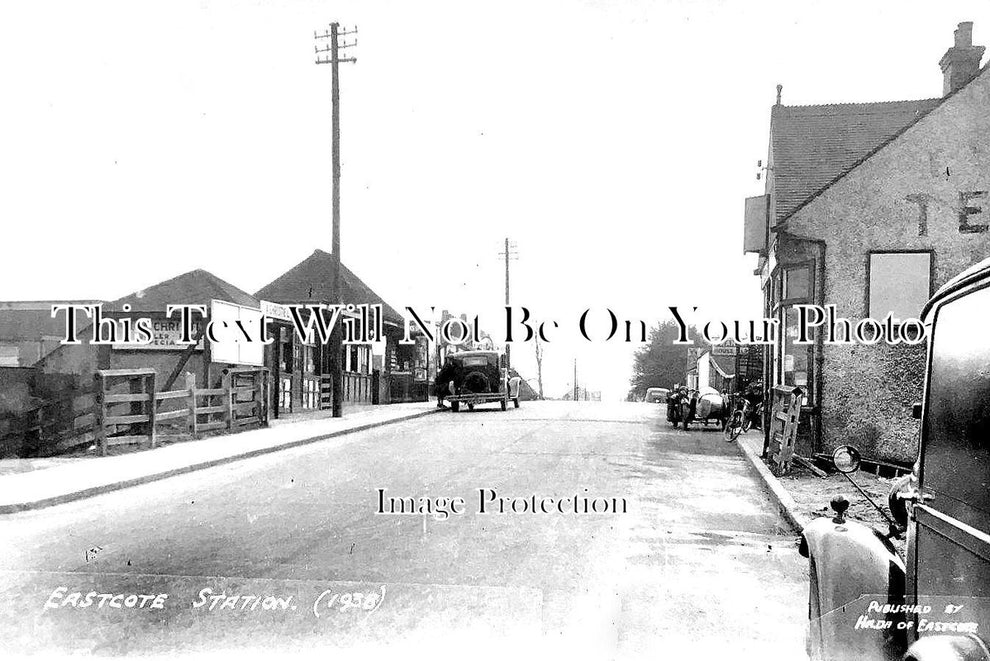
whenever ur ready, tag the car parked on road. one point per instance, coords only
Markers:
(867, 601)
(477, 377)
(656, 395)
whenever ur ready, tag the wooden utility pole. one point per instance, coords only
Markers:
(509, 253)
(575, 381)
(334, 59)
(539, 365)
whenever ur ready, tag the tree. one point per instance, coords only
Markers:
(660, 363)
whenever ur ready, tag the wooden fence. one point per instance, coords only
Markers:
(152, 415)
(51, 426)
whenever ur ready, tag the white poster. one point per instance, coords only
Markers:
(237, 330)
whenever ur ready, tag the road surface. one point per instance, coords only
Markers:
(289, 553)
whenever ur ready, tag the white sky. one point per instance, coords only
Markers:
(614, 143)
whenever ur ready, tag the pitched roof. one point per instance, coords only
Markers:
(26, 321)
(197, 287)
(813, 146)
(310, 281)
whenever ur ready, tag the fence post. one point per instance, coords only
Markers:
(100, 413)
(259, 395)
(267, 395)
(228, 398)
(152, 408)
(192, 420)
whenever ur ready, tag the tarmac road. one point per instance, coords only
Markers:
(288, 552)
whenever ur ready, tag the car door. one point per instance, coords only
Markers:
(950, 559)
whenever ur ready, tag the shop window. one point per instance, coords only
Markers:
(285, 394)
(798, 359)
(898, 283)
(311, 394)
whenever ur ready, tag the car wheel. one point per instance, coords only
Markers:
(515, 402)
(455, 406)
(504, 404)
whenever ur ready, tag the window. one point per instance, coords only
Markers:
(792, 364)
(957, 420)
(797, 283)
(898, 283)
(286, 352)
(798, 358)
(9, 355)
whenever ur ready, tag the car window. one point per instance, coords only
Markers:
(956, 456)
(475, 361)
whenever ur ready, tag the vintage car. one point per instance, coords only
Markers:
(656, 395)
(866, 601)
(477, 377)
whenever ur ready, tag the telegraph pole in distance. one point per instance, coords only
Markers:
(575, 381)
(509, 253)
(334, 59)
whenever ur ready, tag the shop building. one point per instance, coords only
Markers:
(384, 372)
(870, 207)
(166, 354)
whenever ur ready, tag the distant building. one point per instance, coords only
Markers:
(29, 332)
(583, 395)
(870, 207)
(713, 371)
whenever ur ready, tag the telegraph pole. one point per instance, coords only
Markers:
(575, 381)
(334, 59)
(539, 364)
(509, 253)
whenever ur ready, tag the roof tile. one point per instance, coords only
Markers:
(310, 280)
(812, 146)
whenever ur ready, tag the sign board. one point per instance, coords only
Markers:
(725, 350)
(276, 311)
(755, 223)
(231, 346)
(167, 336)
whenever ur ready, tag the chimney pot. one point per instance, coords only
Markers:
(961, 63)
(964, 35)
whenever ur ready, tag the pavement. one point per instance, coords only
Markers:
(290, 551)
(31, 484)
(751, 445)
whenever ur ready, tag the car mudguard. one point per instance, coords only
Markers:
(850, 568)
(949, 648)
(514, 383)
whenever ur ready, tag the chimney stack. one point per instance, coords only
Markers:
(960, 63)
